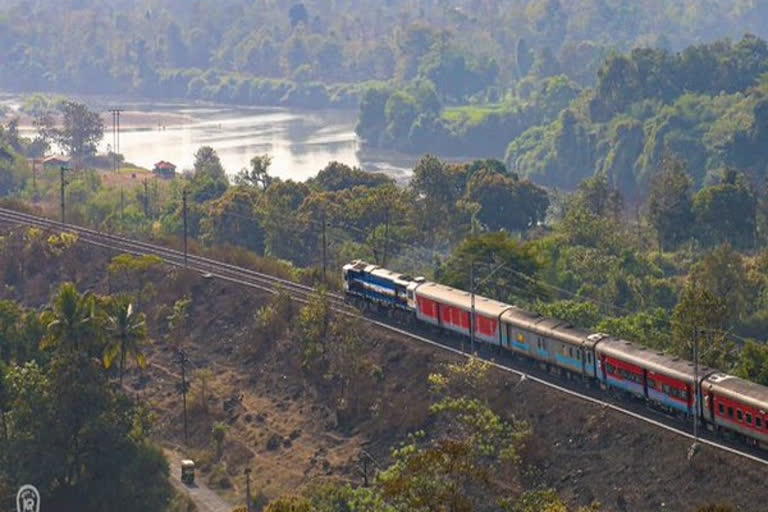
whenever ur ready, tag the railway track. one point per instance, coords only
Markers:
(301, 293)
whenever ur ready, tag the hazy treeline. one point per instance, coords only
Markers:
(124, 47)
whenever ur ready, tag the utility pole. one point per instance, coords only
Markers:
(386, 235)
(183, 361)
(324, 252)
(146, 198)
(184, 201)
(694, 446)
(34, 178)
(248, 489)
(472, 288)
(695, 386)
(471, 308)
(63, 184)
(115, 136)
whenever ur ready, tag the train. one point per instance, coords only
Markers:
(723, 403)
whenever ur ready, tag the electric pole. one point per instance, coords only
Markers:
(115, 136)
(324, 252)
(248, 489)
(386, 235)
(184, 202)
(34, 178)
(183, 361)
(695, 387)
(471, 308)
(63, 184)
(146, 198)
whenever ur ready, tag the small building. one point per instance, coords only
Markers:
(165, 169)
(55, 161)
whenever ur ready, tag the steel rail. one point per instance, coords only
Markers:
(265, 282)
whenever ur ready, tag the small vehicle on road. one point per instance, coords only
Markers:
(188, 471)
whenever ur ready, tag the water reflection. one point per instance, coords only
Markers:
(299, 142)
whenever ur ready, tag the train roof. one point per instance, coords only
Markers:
(550, 327)
(461, 299)
(739, 389)
(374, 270)
(649, 359)
(403, 279)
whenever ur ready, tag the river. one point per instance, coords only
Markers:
(300, 142)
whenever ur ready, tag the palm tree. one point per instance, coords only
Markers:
(72, 325)
(127, 331)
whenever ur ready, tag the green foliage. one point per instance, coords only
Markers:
(581, 314)
(314, 324)
(290, 504)
(337, 176)
(726, 213)
(63, 408)
(487, 252)
(82, 129)
(703, 313)
(126, 332)
(670, 209)
(219, 433)
(210, 180)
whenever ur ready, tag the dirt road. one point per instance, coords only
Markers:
(205, 499)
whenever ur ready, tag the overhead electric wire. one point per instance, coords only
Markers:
(249, 278)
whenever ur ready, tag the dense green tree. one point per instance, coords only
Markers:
(753, 362)
(286, 233)
(210, 180)
(258, 174)
(523, 57)
(721, 271)
(73, 323)
(670, 209)
(701, 313)
(60, 413)
(136, 274)
(126, 333)
(581, 314)
(372, 120)
(233, 219)
(81, 130)
(726, 212)
(507, 203)
(338, 176)
(515, 267)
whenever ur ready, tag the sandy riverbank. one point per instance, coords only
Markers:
(129, 120)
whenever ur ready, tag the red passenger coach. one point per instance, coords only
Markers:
(450, 309)
(736, 405)
(665, 381)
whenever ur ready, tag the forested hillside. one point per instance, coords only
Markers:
(219, 50)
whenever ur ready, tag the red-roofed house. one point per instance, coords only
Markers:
(165, 169)
(55, 161)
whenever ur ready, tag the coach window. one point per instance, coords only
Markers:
(758, 422)
(749, 419)
(589, 357)
(721, 409)
(730, 412)
(570, 351)
(739, 415)
(684, 394)
(651, 383)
